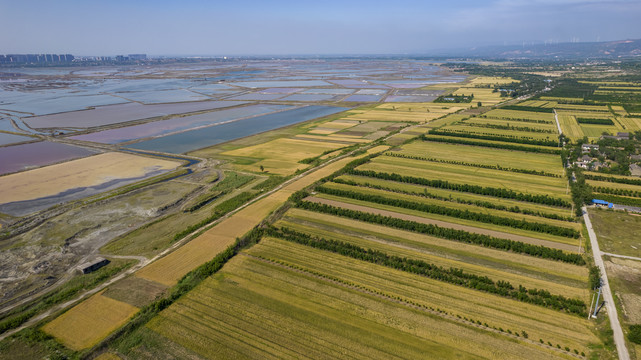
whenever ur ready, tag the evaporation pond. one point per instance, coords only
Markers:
(158, 128)
(200, 138)
(31, 155)
(6, 139)
(113, 114)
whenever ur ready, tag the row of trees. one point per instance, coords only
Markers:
(455, 213)
(594, 121)
(619, 200)
(535, 121)
(451, 140)
(447, 233)
(479, 203)
(452, 275)
(506, 138)
(513, 128)
(615, 191)
(483, 166)
(474, 189)
(528, 108)
(613, 179)
(581, 192)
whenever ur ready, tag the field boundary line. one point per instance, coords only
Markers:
(619, 339)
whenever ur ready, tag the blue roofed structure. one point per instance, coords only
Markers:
(602, 202)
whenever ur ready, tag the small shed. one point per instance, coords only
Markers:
(92, 266)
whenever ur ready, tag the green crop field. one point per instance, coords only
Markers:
(416, 197)
(469, 175)
(499, 132)
(595, 131)
(457, 196)
(493, 143)
(477, 121)
(481, 155)
(504, 232)
(570, 127)
(517, 114)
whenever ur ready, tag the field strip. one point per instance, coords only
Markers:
(498, 234)
(400, 301)
(86, 324)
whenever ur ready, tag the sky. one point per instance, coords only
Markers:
(303, 27)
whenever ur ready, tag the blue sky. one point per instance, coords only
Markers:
(252, 27)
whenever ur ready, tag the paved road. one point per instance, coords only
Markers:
(619, 339)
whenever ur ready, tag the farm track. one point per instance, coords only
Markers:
(408, 304)
(621, 256)
(444, 224)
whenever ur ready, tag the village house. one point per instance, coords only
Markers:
(586, 148)
(618, 136)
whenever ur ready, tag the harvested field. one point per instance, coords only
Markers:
(445, 224)
(92, 320)
(135, 291)
(77, 178)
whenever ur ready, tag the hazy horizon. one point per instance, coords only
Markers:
(249, 27)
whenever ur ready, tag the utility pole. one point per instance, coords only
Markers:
(596, 306)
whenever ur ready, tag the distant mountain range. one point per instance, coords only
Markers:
(609, 49)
